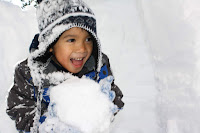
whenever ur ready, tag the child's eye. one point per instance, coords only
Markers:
(71, 40)
(89, 39)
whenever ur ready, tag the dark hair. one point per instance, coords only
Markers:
(47, 54)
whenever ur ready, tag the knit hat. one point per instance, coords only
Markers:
(56, 16)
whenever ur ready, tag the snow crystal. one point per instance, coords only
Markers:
(81, 104)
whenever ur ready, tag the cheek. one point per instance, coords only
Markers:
(90, 48)
(62, 53)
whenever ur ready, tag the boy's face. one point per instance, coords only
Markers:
(73, 49)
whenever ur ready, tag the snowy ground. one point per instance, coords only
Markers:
(153, 50)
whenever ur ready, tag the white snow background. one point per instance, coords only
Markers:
(153, 46)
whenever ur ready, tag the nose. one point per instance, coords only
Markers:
(81, 48)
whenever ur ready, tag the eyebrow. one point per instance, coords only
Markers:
(70, 36)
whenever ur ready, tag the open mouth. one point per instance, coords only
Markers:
(77, 62)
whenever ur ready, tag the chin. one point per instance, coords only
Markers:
(76, 71)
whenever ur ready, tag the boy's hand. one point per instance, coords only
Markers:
(52, 123)
(106, 87)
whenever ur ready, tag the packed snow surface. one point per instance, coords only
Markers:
(81, 104)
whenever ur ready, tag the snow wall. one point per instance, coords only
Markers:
(173, 37)
(153, 50)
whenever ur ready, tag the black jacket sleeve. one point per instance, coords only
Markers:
(21, 102)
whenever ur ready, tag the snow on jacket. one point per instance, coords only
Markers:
(22, 96)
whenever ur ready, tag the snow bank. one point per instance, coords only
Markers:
(17, 30)
(172, 36)
(81, 104)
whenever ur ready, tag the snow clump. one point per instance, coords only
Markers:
(78, 106)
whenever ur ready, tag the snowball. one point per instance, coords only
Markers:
(81, 104)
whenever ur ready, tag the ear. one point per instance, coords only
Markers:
(51, 50)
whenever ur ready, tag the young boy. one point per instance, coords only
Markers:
(67, 44)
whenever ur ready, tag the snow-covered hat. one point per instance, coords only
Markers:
(56, 16)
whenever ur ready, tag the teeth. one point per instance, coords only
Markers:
(78, 58)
